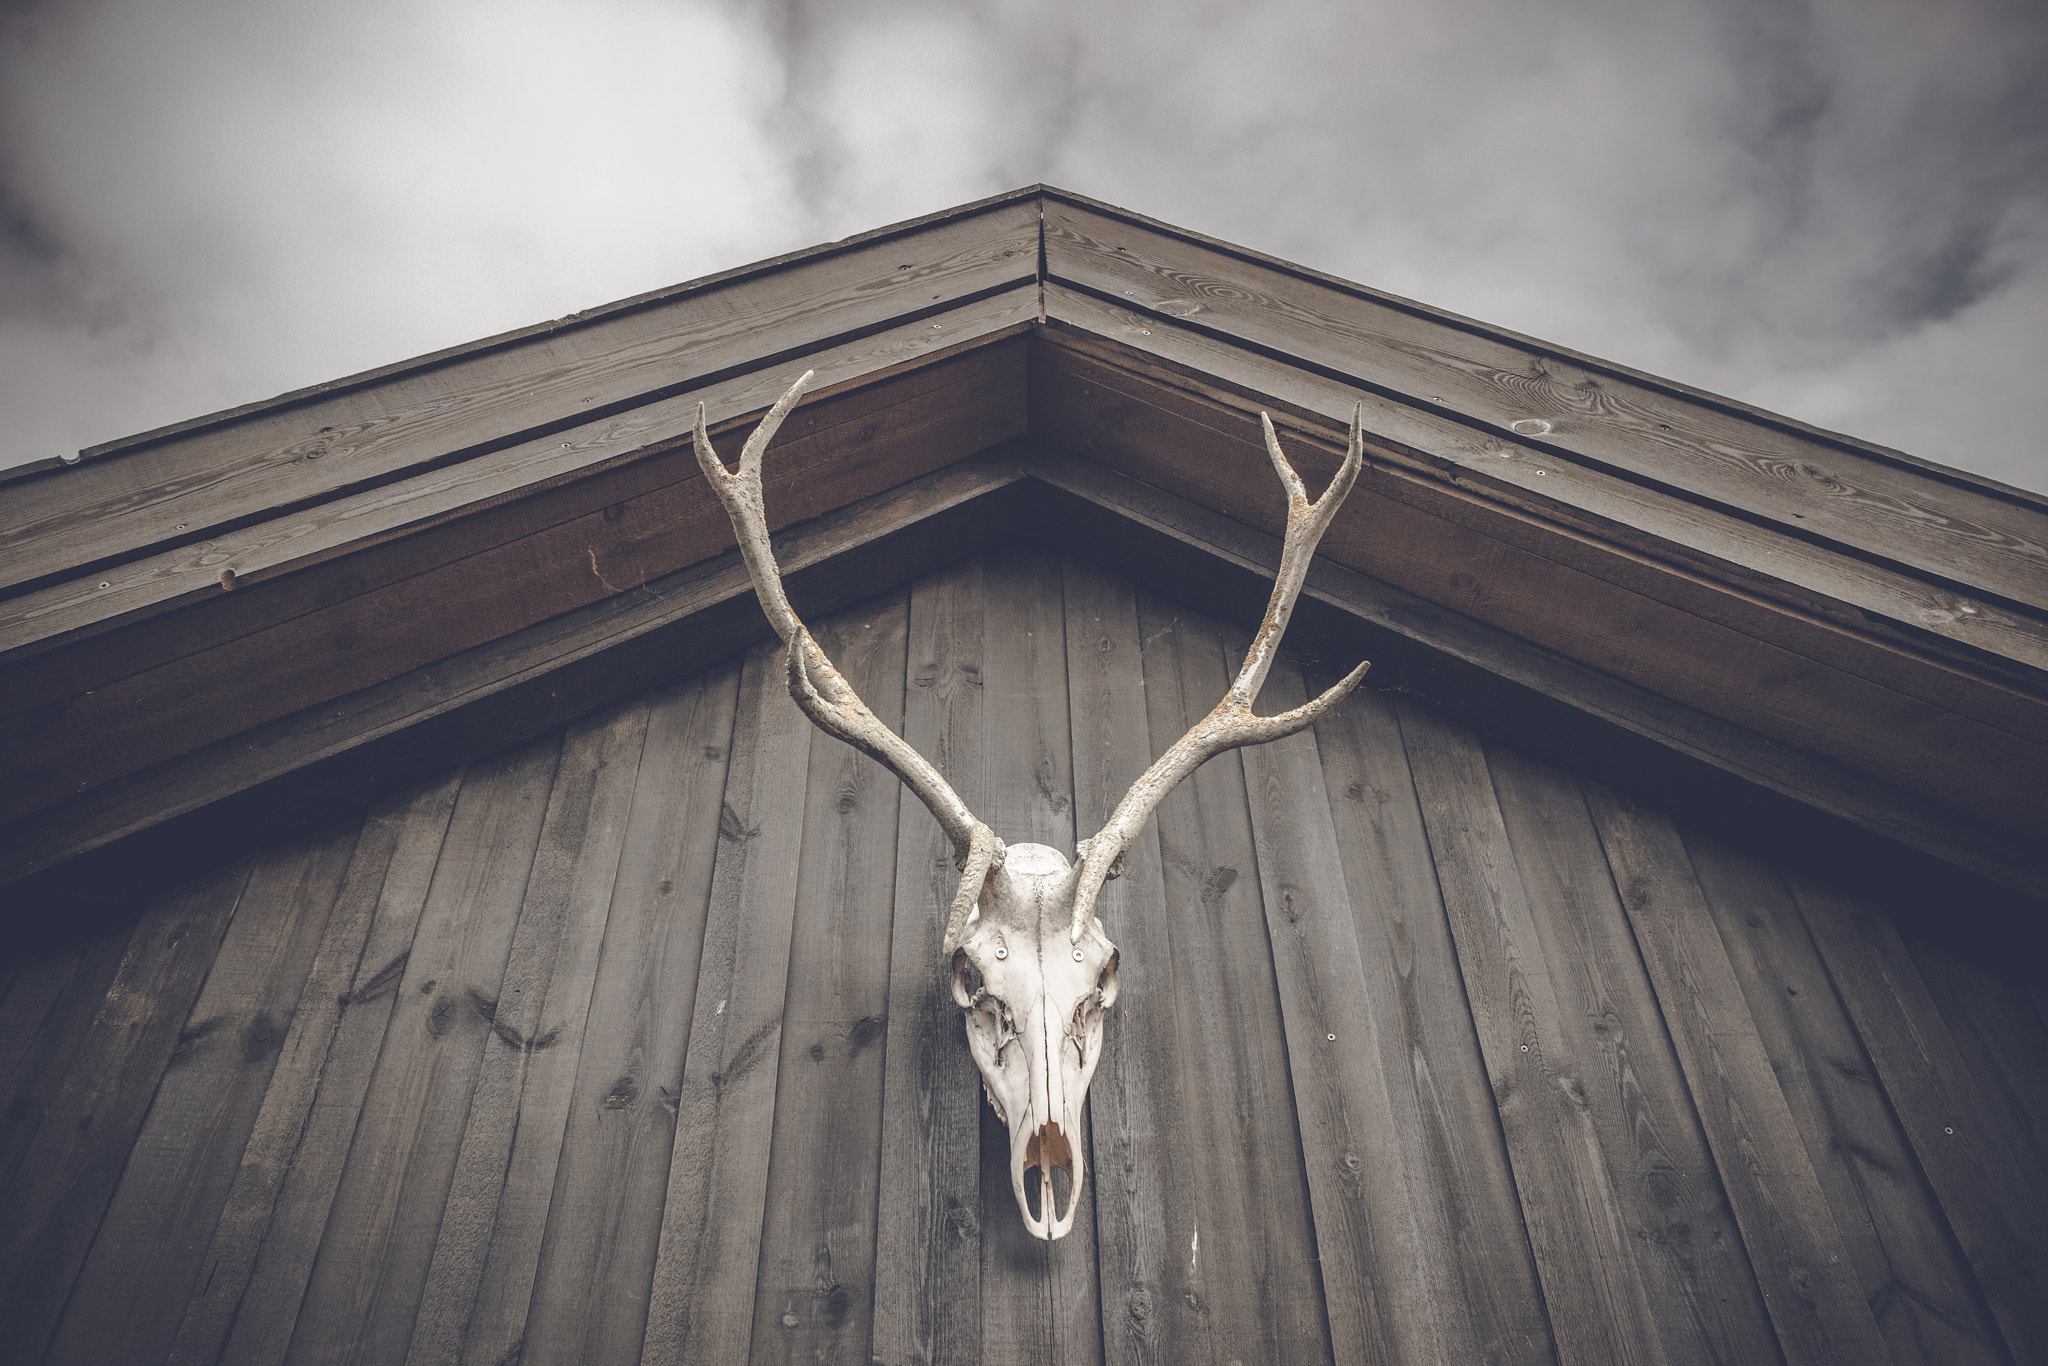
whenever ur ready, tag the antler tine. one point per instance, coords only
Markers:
(818, 687)
(1232, 723)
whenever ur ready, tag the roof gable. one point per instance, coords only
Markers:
(1883, 619)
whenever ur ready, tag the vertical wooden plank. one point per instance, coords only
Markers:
(34, 990)
(1038, 1299)
(814, 1300)
(701, 1305)
(1994, 1202)
(69, 1171)
(1248, 1188)
(928, 1220)
(1374, 1239)
(1805, 1275)
(589, 1291)
(146, 1259)
(1475, 1262)
(1584, 1253)
(270, 1227)
(373, 1257)
(2002, 1038)
(223, 1272)
(1702, 1296)
(76, 985)
(1912, 1274)
(497, 1205)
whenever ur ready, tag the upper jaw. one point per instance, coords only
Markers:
(1046, 1149)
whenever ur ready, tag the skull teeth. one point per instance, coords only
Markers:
(994, 1104)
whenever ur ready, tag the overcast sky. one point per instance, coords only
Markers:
(1837, 209)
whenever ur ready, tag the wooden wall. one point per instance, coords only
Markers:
(1425, 1052)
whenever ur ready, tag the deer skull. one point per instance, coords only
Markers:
(1031, 966)
(1034, 998)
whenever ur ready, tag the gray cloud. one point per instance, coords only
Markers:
(1835, 208)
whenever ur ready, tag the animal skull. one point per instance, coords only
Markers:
(1031, 966)
(1034, 998)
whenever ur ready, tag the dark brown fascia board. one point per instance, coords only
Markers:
(511, 689)
(334, 760)
(1192, 314)
(181, 488)
(1962, 565)
(584, 318)
(417, 365)
(150, 585)
(1235, 327)
(1537, 346)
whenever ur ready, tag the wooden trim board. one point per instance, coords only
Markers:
(300, 770)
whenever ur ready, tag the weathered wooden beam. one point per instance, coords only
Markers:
(179, 486)
(1934, 727)
(114, 705)
(1579, 415)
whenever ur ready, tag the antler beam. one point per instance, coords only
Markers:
(818, 687)
(1232, 723)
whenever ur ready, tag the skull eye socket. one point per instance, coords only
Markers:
(967, 984)
(1106, 986)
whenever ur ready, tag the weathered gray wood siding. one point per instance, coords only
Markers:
(635, 1041)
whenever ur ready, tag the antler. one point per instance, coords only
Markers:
(819, 688)
(1232, 723)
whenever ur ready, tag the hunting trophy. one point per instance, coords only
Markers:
(1031, 966)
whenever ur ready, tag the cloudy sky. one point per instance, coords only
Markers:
(1837, 209)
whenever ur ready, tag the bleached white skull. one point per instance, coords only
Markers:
(1034, 998)
(1031, 965)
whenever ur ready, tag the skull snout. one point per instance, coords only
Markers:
(1048, 1199)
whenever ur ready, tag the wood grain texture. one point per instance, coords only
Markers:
(379, 1237)
(1599, 1307)
(1562, 710)
(146, 1260)
(1376, 1252)
(701, 1304)
(1157, 1185)
(1769, 573)
(1808, 1283)
(264, 1252)
(1473, 1266)
(539, 677)
(814, 1300)
(1696, 1277)
(635, 303)
(29, 1030)
(596, 1254)
(1135, 1100)
(331, 984)
(182, 487)
(1247, 1187)
(1586, 414)
(1039, 1300)
(1510, 572)
(529, 1199)
(473, 598)
(69, 1172)
(1991, 1195)
(927, 1302)
(1913, 1276)
(392, 530)
(75, 983)
(2002, 1040)
(473, 1305)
